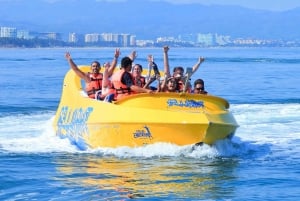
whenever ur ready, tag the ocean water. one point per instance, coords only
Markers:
(261, 162)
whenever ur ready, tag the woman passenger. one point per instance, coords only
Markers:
(169, 85)
(138, 79)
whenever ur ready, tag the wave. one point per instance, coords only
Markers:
(252, 60)
(27, 60)
(47, 142)
(15, 110)
(265, 101)
(263, 128)
(12, 59)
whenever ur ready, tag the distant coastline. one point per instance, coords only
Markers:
(46, 43)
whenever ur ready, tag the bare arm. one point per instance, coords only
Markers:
(166, 61)
(105, 76)
(197, 65)
(140, 89)
(158, 83)
(149, 81)
(133, 55)
(150, 62)
(114, 62)
(75, 68)
(163, 83)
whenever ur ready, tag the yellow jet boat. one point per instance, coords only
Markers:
(140, 119)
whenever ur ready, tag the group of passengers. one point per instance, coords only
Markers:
(111, 85)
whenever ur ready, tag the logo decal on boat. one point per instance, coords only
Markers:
(186, 103)
(143, 133)
(73, 122)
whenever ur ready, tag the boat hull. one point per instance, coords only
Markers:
(141, 119)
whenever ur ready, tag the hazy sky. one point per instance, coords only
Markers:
(274, 5)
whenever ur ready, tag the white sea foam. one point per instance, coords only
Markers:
(31, 133)
(262, 127)
(272, 123)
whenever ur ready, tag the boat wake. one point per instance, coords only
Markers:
(33, 135)
(257, 136)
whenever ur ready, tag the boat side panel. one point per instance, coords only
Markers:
(144, 134)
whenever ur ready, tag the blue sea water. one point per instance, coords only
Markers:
(262, 162)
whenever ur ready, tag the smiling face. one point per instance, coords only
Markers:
(137, 70)
(95, 67)
(171, 85)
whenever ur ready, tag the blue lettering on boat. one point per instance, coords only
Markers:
(72, 123)
(143, 133)
(80, 115)
(185, 103)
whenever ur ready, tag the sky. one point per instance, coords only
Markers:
(272, 5)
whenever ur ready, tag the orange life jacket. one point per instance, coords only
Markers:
(95, 84)
(141, 81)
(121, 89)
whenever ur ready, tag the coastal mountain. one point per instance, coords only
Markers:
(148, 19)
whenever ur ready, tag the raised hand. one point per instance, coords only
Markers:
(133, 55)
(117, 53)
(150, 58)
(201, 59)
(68, 55)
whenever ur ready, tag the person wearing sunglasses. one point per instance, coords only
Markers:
(199, 87)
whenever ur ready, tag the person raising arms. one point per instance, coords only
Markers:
(122, 80)
(178, 72)
(93, 79)
(107, 93)
(182, 83)
(170, 85)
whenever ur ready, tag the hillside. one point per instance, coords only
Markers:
(148, 19)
